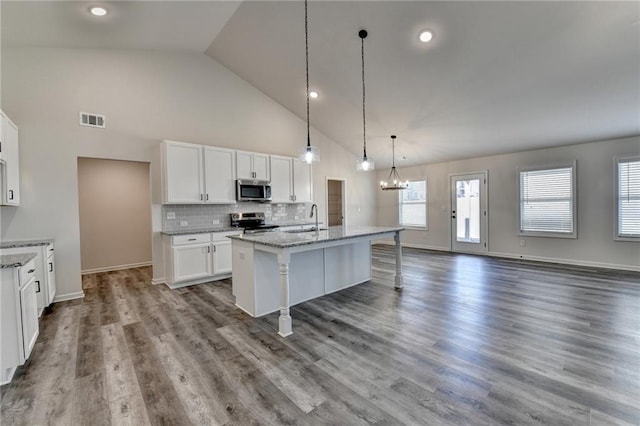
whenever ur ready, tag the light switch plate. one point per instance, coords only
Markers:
(184, 223)
(215, 222)
(171, 215)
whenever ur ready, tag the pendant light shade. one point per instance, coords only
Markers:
(309, 153)
(365, 163)
(393, 182)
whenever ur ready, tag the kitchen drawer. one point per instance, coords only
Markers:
(49, 250)
(27, 272)
(178, 240)
(222, 236)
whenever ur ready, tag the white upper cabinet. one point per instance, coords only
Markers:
(302, 186)
(182, 167)
(220, 175)
(281, 179)
(195, 174)
(290, 180)
(251, 165)
(10, 156)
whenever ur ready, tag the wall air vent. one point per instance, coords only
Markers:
(92, 120)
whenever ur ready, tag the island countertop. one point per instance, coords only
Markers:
(280, 239)
(15, 260)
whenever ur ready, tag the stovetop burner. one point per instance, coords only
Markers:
(251, 222)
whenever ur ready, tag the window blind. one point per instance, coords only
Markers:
(413, 204)
(546, 200)
(629, 198)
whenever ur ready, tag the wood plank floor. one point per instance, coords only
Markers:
(469, 340)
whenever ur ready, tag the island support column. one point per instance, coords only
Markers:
(399, 282)
(284, 322)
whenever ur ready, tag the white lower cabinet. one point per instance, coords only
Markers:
(222, 257)
(18, 317)
(197, 258)
(191, 262)
(45, 275)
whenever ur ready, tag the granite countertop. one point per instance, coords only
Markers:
(230, 228)
(26, 243)
(15, 260)
(334, 233)
(201, 230)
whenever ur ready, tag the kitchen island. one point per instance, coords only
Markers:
(275, 270)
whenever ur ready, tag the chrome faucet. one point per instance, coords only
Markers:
(311, 215)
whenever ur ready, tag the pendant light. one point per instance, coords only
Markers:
(309, 153)
(365, 164)
(393, 182)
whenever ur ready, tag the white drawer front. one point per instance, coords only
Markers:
(27, 272)
(178, 240)
(49, 250)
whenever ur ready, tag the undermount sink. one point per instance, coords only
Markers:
(302, 231)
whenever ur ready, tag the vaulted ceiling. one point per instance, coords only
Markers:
(497, 77)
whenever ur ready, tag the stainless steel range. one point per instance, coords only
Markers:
(252, 223)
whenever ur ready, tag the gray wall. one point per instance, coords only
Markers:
(146, 97)
(595, 190)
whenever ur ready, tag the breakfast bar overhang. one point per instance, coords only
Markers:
(276, 270)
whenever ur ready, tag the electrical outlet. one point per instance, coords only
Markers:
(171, 215)
(215, 222)
(184, 223)
(523, 243)
(297, 217)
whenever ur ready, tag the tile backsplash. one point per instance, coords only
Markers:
(203, 216)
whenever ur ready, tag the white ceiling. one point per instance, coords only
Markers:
(498, 77)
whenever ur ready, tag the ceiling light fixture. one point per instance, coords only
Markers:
(365, 164)
(426, 36)
(313, 94)
(393, 182)
(309, 153)
(98, 11)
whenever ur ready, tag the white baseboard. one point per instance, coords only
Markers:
(68, 296)
(7, 375)
(115, 268)
(416, 246)
(572, 262)
(156, 281)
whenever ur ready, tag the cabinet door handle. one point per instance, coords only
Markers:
(207, 197)
(11, 194)
(200, 197)
(192, 239)
(50, 267)
(38, 284)
(214, 249)
(208, 249)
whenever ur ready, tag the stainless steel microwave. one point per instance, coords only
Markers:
(253, 190)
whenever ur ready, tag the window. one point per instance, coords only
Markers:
(547, 202)
(413, 205)
(628, 197)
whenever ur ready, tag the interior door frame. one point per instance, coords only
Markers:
(343, 185)
(484, 192)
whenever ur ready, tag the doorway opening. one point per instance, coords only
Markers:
(469, 213)
(114, 199)
(336, 202)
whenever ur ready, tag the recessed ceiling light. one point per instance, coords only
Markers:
(313, 94)
(426, 36)
(98, 11)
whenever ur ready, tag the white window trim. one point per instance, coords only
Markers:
(616, 231)
(574, 190)
(426, 207)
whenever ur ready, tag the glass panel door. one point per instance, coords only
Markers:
(468, 213)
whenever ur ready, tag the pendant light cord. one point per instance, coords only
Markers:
(364, 119)
(306, 51)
